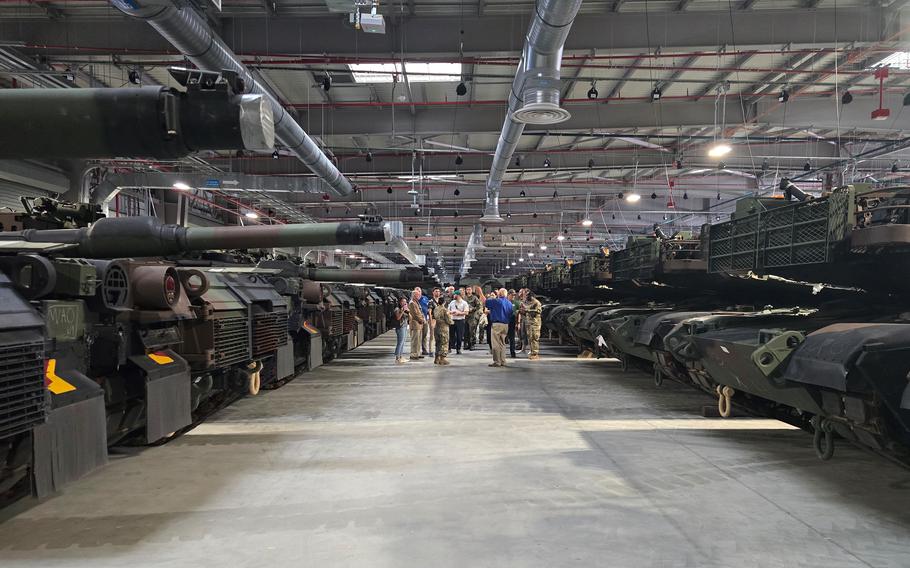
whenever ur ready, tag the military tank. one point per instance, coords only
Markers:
(136, 347)
(590, 277)
(856, 236)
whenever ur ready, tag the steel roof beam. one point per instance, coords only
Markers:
(490, 33)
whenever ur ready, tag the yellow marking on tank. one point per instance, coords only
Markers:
(55, 383)
(161, 358)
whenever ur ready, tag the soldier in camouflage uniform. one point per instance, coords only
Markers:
(441, 333)
(473, 318)
(530, 313)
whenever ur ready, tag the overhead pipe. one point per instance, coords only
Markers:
(189, 33)
(534, 97)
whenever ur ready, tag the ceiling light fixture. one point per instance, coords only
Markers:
(326, 83)
(653, 195)
(522, 193)
(784, 96)
(560, 238)
(181, 186)
(543, 247)
(134, 77)
(459, 160)
(546, 162)
(457, 192)
(592, 92)
(633, 198)
(369, 157)
(586, 222)
(338, 251)
(846, 98)
(719, 149)
(656, 94)
(275, 155)
(461, 90)
(251, 215)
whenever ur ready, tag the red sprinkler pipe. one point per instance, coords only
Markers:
(881, 113)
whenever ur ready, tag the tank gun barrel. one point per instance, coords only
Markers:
(365, 276)
(390, 276)
(153, 122)
(790, 189)
(146, 236)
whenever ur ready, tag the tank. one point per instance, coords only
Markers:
(150, 122)
(858, 372)
(857, 235)
(137, 237)
(124, 351)
(591, 272)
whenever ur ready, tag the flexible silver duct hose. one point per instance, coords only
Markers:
(190, 34)
(535, 90)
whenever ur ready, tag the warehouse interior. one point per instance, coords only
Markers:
(213, 214)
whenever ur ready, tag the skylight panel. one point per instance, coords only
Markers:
(897, 60)
(417, 72)
(374, 72)
(433, 72)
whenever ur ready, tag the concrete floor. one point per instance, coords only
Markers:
(551, 463)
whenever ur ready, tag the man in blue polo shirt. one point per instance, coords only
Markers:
(425, 332)
(500, 312)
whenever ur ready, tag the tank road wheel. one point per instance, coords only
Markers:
(724, 401)
(823, 439)
(254, 381)
(658, 376)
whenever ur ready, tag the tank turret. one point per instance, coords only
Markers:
(147, 236)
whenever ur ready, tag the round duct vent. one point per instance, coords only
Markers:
(541, 113)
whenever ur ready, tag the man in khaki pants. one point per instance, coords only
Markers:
(416, 322)
(500, 312)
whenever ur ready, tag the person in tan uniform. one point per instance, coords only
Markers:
(443, 321)
(530, 313)
(416, 321)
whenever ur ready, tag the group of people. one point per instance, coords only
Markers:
(456, 319)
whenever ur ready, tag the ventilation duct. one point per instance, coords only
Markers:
(534, 98)
(189, 33)
(477, 236)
